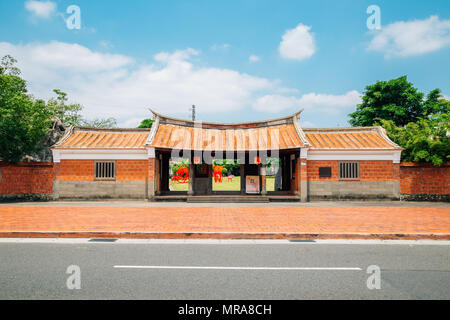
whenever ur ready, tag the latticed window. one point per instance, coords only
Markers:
(105, 170)
(349, 170)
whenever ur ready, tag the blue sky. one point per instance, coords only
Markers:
(235, 60)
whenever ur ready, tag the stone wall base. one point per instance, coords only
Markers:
(426, 197)
(95, 190)
(353, 190)
(26, 197)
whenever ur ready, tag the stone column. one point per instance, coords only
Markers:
(303, 176)
(263, 180)
(191, 179)
(242, 173)
(157, 176)
(151, 173)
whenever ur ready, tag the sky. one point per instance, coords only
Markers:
(236, 60)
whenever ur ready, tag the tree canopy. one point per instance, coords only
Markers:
(70, 114)
(417, 123)
(426, 140)
(100, 123)
(23, 121)
(146, 123)
(395, 100)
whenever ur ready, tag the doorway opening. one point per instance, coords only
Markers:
(226, 175)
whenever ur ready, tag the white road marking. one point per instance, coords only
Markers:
(237, 268)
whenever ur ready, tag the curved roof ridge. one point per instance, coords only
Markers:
(373, 128)
(269, 122)
(79, 128)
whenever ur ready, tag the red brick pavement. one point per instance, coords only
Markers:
(243, 220)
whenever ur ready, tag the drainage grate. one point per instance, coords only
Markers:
(102, 240)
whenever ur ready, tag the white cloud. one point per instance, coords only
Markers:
(403, 39)
(275, 103)
(70, 58)
(177, 56)
(223, 46)
(41, 9)
(311, 102)
(297, 43)
(114, 85)
(254, 58)
(329, 103)
(446, 97)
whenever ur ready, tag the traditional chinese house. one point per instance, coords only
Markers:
(202, 161)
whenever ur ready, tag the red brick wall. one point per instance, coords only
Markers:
(26, 178)
(75, 170)
(313, 170)
(419, 178)
(132, 170)
(369, 170)
(83, 170)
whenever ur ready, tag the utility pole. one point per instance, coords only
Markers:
(193, 112)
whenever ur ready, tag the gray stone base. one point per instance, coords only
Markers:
(426, 197)
(353, 190)
(95, 190)
(25, 197)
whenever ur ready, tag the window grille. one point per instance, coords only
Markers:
(349, 170)
(105, 170)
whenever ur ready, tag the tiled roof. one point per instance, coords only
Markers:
(280, 137)
(278, 134)
(93, 138)
(364, 138)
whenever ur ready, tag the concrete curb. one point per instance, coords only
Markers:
(226, 235)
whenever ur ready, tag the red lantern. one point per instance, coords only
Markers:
(196, 160)
(257, 160)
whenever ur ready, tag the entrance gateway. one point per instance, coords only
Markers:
(203, 161)
(247, 161)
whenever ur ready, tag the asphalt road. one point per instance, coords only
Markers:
(230, 270)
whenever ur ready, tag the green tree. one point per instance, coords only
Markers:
(24, 122)
(7, 66)
(146, 123)
(425, 140)
(395, 100)
(69, 114)
(435, 104)
(100, 123)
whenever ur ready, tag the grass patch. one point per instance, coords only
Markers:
(226, 185)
